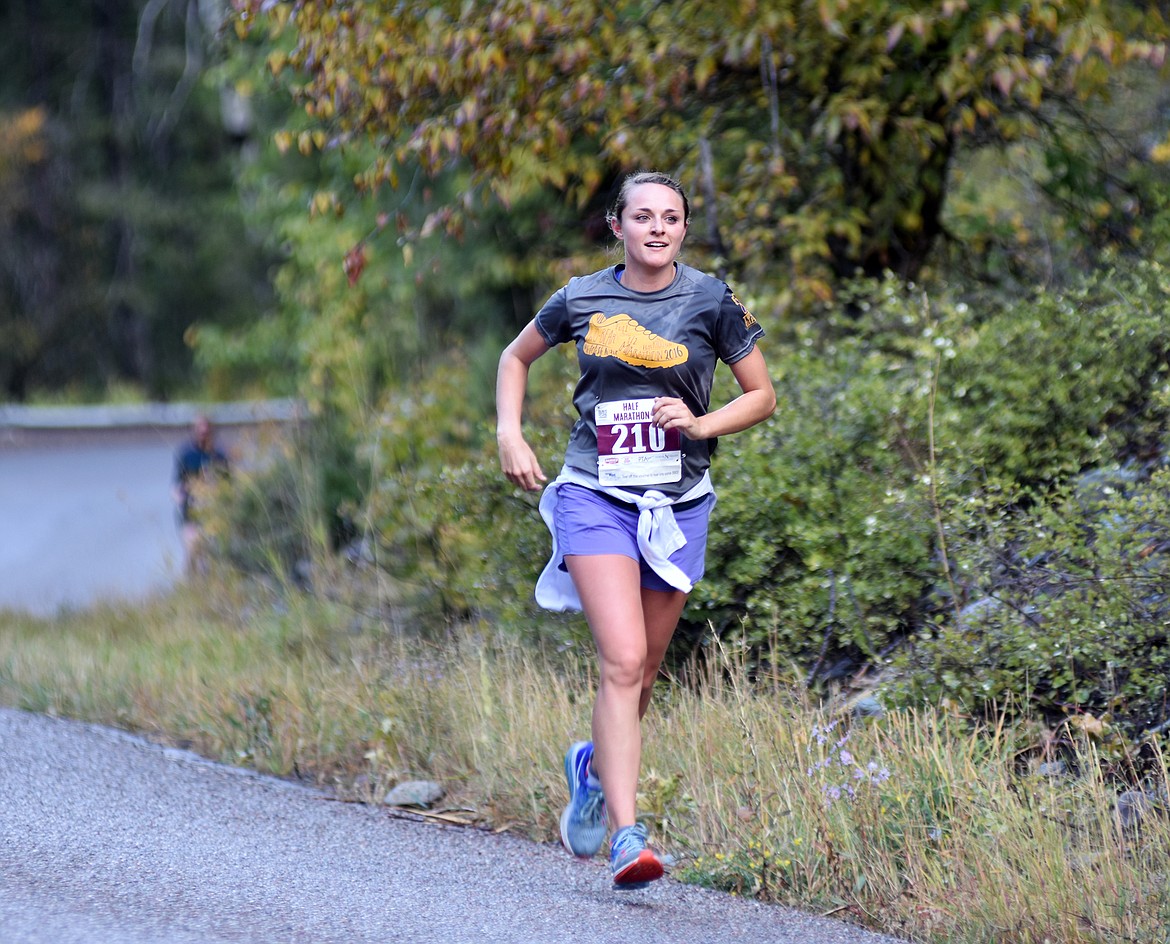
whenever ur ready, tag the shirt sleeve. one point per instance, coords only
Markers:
(737, 331)
(552, 321)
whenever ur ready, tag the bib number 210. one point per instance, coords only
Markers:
(631, 450)
(638, 437)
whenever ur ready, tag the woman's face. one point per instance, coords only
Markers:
(652, 227)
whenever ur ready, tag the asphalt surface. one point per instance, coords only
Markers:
(87, 521)
(106, 838)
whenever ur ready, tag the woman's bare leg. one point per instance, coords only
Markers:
(610, 597)
(660, 612)
(632, 628)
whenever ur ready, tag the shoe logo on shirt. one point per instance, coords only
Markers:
(622, 337)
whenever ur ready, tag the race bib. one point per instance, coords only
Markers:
(631, 450)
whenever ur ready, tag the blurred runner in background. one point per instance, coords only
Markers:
(197, 461)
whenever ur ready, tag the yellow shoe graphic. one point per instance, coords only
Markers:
(622, 337)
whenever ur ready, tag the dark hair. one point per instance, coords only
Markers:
(614, 214)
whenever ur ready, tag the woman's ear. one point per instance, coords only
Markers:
(615, 226)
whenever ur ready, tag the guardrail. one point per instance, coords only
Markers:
(27, 425)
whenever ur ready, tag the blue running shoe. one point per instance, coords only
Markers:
(632, 863)
(583, 822)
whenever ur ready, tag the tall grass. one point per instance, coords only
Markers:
(921, 824)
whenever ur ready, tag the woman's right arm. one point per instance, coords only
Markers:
(518, 461)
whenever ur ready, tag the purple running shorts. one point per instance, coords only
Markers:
(589, 522)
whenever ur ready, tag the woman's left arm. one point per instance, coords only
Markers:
(755, 404)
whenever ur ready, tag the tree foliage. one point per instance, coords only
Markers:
(818, 138)
(119, 221)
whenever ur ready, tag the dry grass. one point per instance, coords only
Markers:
(919, 824)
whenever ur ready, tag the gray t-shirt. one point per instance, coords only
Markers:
(634, 346)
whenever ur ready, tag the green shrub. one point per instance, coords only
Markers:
(820, 532)
(918, 447)
(1053, 384)
(1073, 611)
(260, 521)
(463, 543)
(293, 500)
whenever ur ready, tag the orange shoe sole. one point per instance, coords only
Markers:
(646, 868)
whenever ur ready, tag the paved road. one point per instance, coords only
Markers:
(108, 839)
(85, 496)
(85, 521)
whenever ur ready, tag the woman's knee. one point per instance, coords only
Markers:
(625, 669)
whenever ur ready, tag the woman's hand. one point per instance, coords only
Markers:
(673, 413)
(755, 404)
(519, 463)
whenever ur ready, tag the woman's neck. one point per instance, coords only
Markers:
(647, 280)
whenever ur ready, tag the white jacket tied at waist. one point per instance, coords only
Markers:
(659, 535)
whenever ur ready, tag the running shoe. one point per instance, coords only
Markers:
(632, 863)
(583, 822)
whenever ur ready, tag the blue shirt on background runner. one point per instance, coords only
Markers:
(194, 461)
